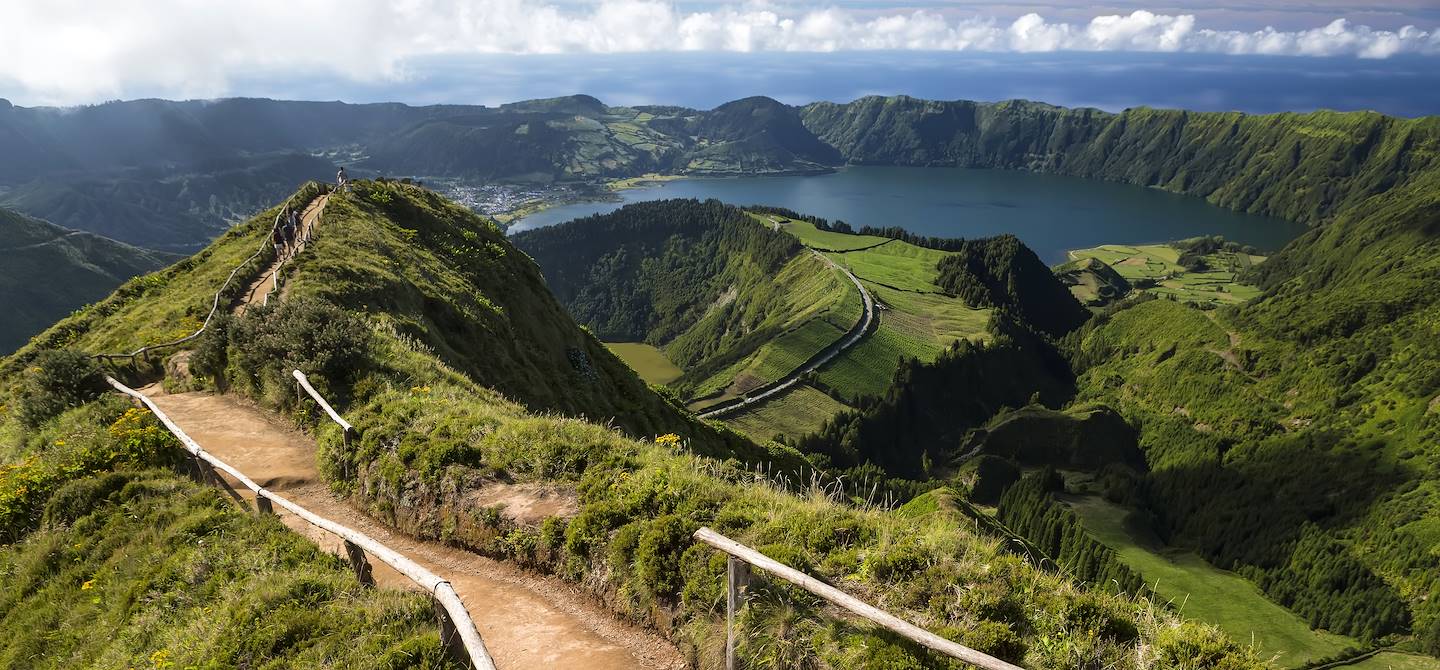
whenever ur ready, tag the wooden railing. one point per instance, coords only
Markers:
(215, 304)
(457, 629)
(740, 557)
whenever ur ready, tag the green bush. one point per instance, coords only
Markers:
(261, 348)
(58, 380)
(657, 557)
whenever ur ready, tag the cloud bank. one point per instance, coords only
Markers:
(68, 51)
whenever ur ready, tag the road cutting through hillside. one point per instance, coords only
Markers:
(527, 621)
(783, 384)
(267, 282)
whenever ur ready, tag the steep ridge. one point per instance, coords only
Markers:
(50, 271)
(1302, 167)
(431, 439)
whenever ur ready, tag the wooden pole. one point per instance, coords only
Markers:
(263, 505)
(737, 578)
(835, 596)
(470, 643)
(359, 564)
(450, 637)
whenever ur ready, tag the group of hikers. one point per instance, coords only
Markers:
(286, 236)
(287, 233)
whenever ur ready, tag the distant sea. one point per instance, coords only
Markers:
(1402, 85)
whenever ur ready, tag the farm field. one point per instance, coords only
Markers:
(815, 238)
(1394, 660)
(915, 325)
(897, 264)
(797, 413)
(1202, 591)
(649, 362)
(1158, 266)
(815, 307)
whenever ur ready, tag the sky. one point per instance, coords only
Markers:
(1217, 54)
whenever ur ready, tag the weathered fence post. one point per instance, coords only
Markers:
(263, 504)
(450, 637)
(359, 563)
(737, 579)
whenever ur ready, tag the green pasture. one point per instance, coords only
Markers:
(898, 264)
(647, 361)
(1202, 591)
(798, 412)
(1157, 264)
(815, 238)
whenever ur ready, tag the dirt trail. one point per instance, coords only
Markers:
(262, 285)
(527, 621)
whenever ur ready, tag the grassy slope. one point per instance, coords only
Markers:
(429, 434)
(795, 413)
(1215, 287)
(50, 271)
(1201, 591)
(114, 564)
(807, 305)
(919, 321)
(1323, 403)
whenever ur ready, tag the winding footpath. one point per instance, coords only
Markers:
(783, 384)
(526, 620)
(269, 281)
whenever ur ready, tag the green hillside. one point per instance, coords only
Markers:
(100, 531)
(381, 311)
(733, 302)
(50, 271)
(1302, 167)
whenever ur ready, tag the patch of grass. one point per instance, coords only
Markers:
(915, 325)
(815, 238)
(1394, 660)
(647, 361)
(1155, 268)
(798, 412)
(1201, 591)
(144, 569)
(897, 264)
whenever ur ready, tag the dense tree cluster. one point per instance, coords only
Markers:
(1028, 508)
(930, 406)
(648, 271)
(1001, 272)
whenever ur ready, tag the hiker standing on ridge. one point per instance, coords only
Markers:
(292, 224)
(278, 238)
(342, 180)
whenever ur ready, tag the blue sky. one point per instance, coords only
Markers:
(1230, 54)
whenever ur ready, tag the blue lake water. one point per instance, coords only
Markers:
(1050, 213)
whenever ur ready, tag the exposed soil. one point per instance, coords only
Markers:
(529, 504)
(526, 620)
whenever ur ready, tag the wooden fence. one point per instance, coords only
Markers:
(215, 304)
(740, 557)
(457, 629)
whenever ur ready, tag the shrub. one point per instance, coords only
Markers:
(657, 557)
(58, 380)
(314, 336)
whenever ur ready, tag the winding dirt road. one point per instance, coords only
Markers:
(783, 384)
(527, 621)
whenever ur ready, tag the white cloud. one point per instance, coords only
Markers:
(65, 51)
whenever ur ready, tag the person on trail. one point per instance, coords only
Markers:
(342, 180)
(278, 238)
(292, 224)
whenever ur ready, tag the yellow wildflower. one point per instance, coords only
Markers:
(668, 440)
(87, 585)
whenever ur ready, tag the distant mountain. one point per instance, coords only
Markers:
(49, 271)
(174, 211)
